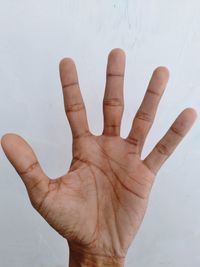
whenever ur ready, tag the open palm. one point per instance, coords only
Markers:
(100, 203)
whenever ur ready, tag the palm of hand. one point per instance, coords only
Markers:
(99, 204)
(104, 194)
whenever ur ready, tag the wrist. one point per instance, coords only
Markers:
(78, 258)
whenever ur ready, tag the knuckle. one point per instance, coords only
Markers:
(120, 75)
(86, 133)
(113, 102)
(133, 141)
(29, 169)
(113, 125)
(153, 92)
(163, 149)
(176, 131)
(68, 85)
(145, 116)
(74, 107)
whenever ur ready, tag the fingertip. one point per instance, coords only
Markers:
(68, 72)
(190, 114)
(162, 72)
(65, 62)
(116, 62)
(13, 144)
(8, 138)
(185, 120)
(117, 52)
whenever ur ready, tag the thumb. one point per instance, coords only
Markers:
(24, 160)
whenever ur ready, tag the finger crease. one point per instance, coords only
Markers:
(69, 85)
(113, 102)
(75, 107)
(36, 184)
(162, 149)
(153, 92)
(148, 167)
(176, 131)
(84, 134)
(142, 115)
(112, 125)
(29, 169)
(132, 141)
(115, 74)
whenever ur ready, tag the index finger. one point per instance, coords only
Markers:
(73, 101)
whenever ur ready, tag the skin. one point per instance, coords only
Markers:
(99, 204)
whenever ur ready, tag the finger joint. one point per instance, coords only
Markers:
(115, 74)
(163, 149)
(69, 85)
(145, 116)
(115, 101)
(176, 131)
(84, 134)
(75, 107)
(29, 169)
(132, 140)
(150, 91)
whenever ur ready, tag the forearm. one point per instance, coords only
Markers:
(79, 259)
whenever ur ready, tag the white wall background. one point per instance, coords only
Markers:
(34, 36)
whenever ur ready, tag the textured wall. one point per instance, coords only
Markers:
(34, 36)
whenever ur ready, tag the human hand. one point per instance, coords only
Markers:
(99, 205)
